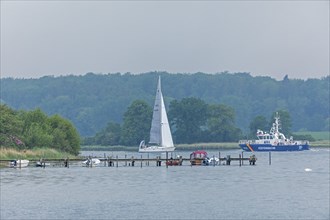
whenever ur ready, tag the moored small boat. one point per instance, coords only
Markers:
(93, 162)
(174, 162)
(198, 157)
(213, 161)
(19, 163)
(42, 164)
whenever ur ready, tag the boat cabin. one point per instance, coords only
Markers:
(264, 135)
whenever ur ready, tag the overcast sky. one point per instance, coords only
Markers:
(268, 38)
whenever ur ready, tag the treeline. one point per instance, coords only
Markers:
(192, 121)
(93, 100)
(29, 129)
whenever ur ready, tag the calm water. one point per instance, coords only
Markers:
(294, 186)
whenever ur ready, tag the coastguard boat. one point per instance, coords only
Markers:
(273, 141)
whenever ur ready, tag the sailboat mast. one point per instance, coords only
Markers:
(161, 103)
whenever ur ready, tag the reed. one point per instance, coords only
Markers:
(12, 154)
(194, 146)
(323, 144)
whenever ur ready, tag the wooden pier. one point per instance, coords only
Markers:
(115, 161)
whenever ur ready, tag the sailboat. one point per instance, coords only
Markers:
(160, 132)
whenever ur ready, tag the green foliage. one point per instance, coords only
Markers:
(65, 135)
(34, 129)
(10, 127)
(109, 136)
(188, 117)
(307, 137)
(136, 126)
(317, 135)
(221, 124)
(93, 100)
(259, 122)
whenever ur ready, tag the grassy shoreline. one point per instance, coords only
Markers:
(38, 153)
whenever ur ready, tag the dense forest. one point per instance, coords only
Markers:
(93, 100)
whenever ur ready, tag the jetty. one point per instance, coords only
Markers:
(131, 161)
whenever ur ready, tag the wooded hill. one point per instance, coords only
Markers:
(92, 100)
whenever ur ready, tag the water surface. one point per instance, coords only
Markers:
(294, 186)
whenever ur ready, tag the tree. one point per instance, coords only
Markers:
(10, 127)
(109, 136)
(221, 124)
(136, 126)
(65, 135)
(259, 122)
(36, 130)
(188, 117)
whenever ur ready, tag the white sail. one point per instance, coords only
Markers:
(160, 132)
(166, 136)
(155, 135)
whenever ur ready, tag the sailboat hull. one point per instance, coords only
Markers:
(151, 149)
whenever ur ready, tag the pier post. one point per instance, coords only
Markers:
(213, 160)
(141, 160)
(105, 161)
(117, 160)
(20, 163)
(148, 160)
(228, 160)
(270, 158)
(125, 160)
(242, 157)
(219, 158)
(166, 159)
(67, 162)
(240, 160)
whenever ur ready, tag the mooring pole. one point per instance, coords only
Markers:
(219, 158)
(141, 160)
(240, 160)
(117, 160)
(166, 159)
(270, 158)
(242, 157)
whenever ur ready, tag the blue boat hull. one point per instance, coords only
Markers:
(269, 147)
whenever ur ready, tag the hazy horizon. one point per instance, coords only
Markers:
(263, 38)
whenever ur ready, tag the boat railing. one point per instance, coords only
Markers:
(247, 141)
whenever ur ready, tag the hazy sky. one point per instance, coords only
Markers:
(269, 38)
